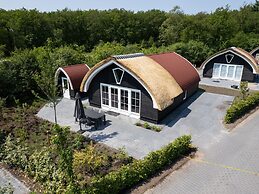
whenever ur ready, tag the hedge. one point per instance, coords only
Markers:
(140, 170)
(241, 107)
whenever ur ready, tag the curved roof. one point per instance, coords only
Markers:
(74, 74)
(156, 74)
(178, 66)
(238, 51)
(254, 50)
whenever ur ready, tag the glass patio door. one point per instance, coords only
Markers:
(124, 100)
(120, 99)
(227, 71)
(114, 97)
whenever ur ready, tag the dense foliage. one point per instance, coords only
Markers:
(240, 107)
(50, 154)
(30, 39)
(30, 28)
(140, 170)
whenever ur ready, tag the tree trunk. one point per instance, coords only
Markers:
(55, 112)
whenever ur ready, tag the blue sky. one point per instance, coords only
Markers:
(188, 6)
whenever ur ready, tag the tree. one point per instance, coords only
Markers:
(170, 30)
(45, 78)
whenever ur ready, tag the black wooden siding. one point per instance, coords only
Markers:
(247, 70)
(177, 101)
(147, 112)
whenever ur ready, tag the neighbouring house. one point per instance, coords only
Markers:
(141, 86)
(70, 78)
(231, 64)
(255, 54)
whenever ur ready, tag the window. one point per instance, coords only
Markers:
(118, 75)
(231, 70)
(120, 99)
(229, 57)
(238, 73)
(185, 94)
(227, 71)
(223, 71)
(105, 95)
(216, 69)
(114, 97)
(124, 99)
(135, 102)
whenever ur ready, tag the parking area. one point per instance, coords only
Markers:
(229, 166)
(201, 116)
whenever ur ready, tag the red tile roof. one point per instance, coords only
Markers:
(76, 74)
(180, 68)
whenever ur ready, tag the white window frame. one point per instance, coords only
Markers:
(119, 110)
(115, 77)
(232, 57)
(66, 92)
(233, 77)
(102, 96)
(185, 94)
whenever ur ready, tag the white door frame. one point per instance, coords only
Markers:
(119, 110)
(228, 65)
(66, 92)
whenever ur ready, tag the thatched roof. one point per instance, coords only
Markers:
(159, 83)
(153, 74)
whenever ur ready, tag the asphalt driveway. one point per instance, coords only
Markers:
(229, 166)
(201, 116)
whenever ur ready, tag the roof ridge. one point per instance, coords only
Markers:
(126, 56)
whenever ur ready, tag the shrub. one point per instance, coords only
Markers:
(148, 126)
(14, 154)
(244, 89)
(89, 160)
(140, 170)
(241, 107)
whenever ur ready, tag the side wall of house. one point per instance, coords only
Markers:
(247, 70)
(177, 101)
(255, 54)
(147, 112)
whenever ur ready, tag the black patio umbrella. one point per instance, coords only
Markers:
(79, 109)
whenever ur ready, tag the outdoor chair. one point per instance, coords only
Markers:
(87, 122)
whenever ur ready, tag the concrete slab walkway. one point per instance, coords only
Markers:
(6, 177)
(201, 116)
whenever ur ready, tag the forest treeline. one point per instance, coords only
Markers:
(29, 38)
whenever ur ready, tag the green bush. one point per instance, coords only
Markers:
(240, 107)
(140, 170)
(89, 160)
(148, 126)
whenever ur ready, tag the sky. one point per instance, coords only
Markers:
(188, 6)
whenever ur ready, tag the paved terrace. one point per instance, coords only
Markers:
(201, 116)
